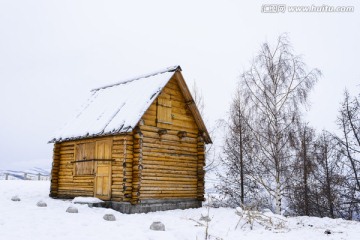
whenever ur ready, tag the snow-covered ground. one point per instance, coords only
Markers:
(24, 220)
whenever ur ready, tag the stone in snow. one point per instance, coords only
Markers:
(109, 217)
(327, 231)
(72, 210)
(41, 204)
(157, 226)
(15, 199)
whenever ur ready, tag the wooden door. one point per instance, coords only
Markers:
(103, 170)
(102, 182)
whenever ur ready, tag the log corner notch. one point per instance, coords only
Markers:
(162, 132)
(55, 171)
(137, 166)
(182, 134)
(200, 167)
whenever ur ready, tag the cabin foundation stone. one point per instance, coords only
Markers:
(149, 205)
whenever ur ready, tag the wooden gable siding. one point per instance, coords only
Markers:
(65, 183)
(172, 166)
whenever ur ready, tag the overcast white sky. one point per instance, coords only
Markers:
(52, 53)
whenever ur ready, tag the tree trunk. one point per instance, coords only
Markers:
(278, 197)
(241, 160)
(305, 177)
(328, 183)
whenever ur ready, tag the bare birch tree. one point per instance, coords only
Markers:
(274, 88)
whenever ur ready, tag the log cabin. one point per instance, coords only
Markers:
(139, 145)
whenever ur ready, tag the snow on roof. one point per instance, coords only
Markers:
(116, 108)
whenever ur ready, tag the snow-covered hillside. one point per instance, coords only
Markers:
(30, 174)
(24, 220)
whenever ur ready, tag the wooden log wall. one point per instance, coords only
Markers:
(200, 168)
(122, 168)
(55, 171)
(65, 183)
(170, 163)
(137, 166)
(69, 185)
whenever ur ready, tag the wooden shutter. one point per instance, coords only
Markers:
(164, 110)
(84, 152)
(103, 149)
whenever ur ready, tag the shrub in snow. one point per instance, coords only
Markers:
(157, 226)
(250, 217)
(205, 218)
(327, 231)
(41, 204)
(109, 217)
(15, 199)
(72, 210)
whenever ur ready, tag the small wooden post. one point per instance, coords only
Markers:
(39, 175)
(6, 176)
(25, 176)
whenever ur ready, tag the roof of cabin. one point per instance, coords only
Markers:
(117, 108)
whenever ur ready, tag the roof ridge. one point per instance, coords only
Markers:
(168, 69)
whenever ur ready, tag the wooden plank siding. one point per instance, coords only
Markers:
(170, 164)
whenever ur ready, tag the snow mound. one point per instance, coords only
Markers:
(84, 200)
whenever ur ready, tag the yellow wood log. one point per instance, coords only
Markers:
(165, 145)
(193, 179)
(166, 196)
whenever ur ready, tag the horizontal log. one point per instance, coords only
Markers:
(77, 188)
(145, 196)
(121, 137)
(193, 179)
(163, 189)
(178, 143)
(172, 171)
(66, 152)
(162, 184)
(169, 146)
(147, 149)
(67, 144)
(171, 133)
(147, 175)
(169, 192)
(169, 165)
(168, 155)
